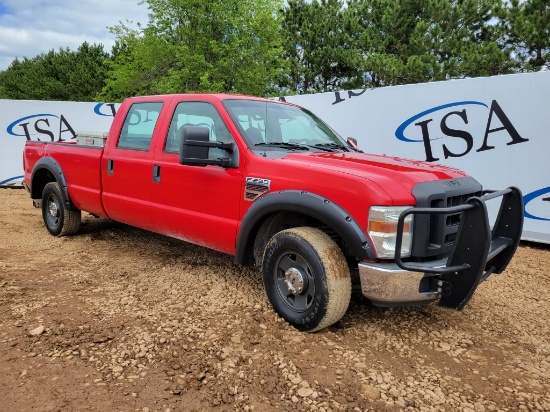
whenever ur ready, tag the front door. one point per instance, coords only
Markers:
(193, 203)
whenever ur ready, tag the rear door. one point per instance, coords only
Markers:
(193, 203)
(127, 166)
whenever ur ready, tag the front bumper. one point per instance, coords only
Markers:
(386, 284)
(477, 252)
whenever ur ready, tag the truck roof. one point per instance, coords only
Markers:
(219, 96)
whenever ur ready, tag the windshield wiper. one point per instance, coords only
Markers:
(329, 147)
(290, 146)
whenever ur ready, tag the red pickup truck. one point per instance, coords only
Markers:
(271, 184)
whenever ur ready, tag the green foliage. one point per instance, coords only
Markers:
(267, 47)
(526, 25)
(420, 41)
(317, 46)
(61, 75)
(190, 46)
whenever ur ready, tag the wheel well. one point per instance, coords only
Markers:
(40, 179)
(276, 222)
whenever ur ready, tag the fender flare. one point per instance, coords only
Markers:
(51, 165)
(306, 203)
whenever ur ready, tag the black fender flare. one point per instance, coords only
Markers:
(51, 165)
(306, 203)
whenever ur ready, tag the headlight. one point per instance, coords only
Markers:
(383, 230)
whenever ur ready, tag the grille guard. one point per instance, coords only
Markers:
(477, 251)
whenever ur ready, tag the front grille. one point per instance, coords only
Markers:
(443, 228)
(434, 234)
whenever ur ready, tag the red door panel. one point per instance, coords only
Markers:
(127, 167)
(197, 204)
(127, 190)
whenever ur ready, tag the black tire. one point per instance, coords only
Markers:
(306, 278)
(59, 220)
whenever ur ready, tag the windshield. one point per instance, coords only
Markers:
(277, 126)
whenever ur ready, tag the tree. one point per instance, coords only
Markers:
(189, 46)
(297, 45)
(317, 46)
(526, 25)
(419, 41)
(57, 75)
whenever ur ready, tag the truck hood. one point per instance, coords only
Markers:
(394, 175)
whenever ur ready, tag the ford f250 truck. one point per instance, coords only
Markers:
(271, 184)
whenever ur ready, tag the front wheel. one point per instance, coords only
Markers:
(306, 278)
(59, 220)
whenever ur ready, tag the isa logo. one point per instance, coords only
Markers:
(12, 181)
(537, 204)
(105, 109)
(42, 127)
(455, 129)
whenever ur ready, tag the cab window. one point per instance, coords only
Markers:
(197, 114)
(140, 122)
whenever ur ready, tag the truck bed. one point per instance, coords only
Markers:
(81, 167)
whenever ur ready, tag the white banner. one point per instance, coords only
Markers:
(22, 120)
(497, 129)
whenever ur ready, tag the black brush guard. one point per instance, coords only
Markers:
(477, 251)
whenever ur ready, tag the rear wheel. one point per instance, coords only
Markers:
(306, 278)
(59, 220)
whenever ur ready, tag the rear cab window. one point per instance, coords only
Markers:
(139, 125)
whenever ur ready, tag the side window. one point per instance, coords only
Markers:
(139, 125)
(197, 114)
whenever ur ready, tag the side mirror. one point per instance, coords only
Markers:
(195, 147)
(192, 148)
(352, 142)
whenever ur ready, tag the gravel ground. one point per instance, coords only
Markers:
(120, 319)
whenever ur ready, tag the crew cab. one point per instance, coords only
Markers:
(271, 184)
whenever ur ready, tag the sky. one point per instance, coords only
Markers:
(32, 27)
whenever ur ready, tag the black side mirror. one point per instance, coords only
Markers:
(195, 145)
(191, 144)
